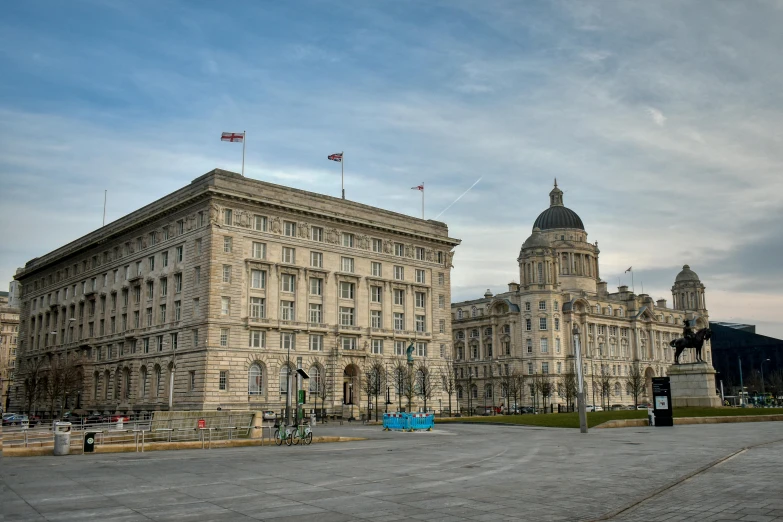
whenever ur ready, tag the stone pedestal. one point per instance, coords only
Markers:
(693, 385)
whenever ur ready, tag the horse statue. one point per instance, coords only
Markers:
(696, 341)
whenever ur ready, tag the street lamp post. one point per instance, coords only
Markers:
(742, 386)
(580, 392)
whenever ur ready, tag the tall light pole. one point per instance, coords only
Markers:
(580, 392)
(288, 386)
(742, 386)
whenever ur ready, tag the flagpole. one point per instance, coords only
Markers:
(342, 172)
(104, 206)
(633, 287)
(422, 200)
(244, 135)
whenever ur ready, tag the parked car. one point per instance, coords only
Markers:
(643, 406)
(269, 415)
(16, 419)
(118, 417)
(591, 407)
(95, 419)
(527, 409)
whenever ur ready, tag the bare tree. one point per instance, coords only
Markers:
(568, 386)
(519, 380)
(507, 386)
(635, 383)
(409, 390)
(490, 382)
(62, 379)
(775, 381)
(426, 382)
(468, 383)
(399, 371)
(543, 387)
(448, 379)
(603, 383)
(322, 392)
(34, 372)
(374, 382)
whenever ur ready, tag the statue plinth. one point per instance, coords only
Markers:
(693, 385)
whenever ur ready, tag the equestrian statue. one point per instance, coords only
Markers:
(690, 339)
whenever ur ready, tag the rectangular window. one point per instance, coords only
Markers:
(287, 310)
(377, 346)
(227, 244)
(376, 319)
(192, 380)
(315, 313)
(346, 264)
(375, 294)
(198, 247)
(317, 343)
(399, 297)
(136, 320)
(530, 346)
(289, 255)
(399, 250)
(149, 289)
(164, 286)
(287, 341)
(421, 349)
(442, 326)
(165, 233)
(160, 343)
(162, 313)
(441, 301)
(228, 216)
(146, 344)
(316, 259)
(399, 347)
(177, 310)
(179, 254)
(225, 305)
(377, 245)
(557, 324)
(257, 339)
(545, 368)
(316, 286)
(258, 279)
(177, 283)
(420, 277)
(149, 316)
(376, 269)
(223, 378)
(174, 341)
(346, 316)
(202, 220)
(349, 343)
(419, 253)
(259, 250)
(441, 278)
(399, 273)
(542, 305)
(544, 345)
(196, 307)
(164, 258)
(420, 323)
(194, 333)
(317, 234)
(257, 307)
(420, 299)
(288, 283)
(347, 290)
(224, 337)
(399, 321)
(542, 323)
(150, 264)
(259, 223)
(348, 240)
(289, 228)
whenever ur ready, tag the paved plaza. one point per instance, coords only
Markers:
(458, 472)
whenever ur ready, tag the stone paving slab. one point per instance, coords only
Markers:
(457, 472)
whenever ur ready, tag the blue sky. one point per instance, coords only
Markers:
(661, 121)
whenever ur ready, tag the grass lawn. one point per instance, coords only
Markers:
(571, 420)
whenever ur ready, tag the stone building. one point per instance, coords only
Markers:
(202, 299)
(528, 329)
(9, 331)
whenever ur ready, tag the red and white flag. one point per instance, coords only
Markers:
(418, 187)
(335, 157)
(234, 137)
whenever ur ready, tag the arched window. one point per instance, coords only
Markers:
(474, 312)
(617, 389)
(143, 382)
(255, 383)
(460, 335)
(284, 380)
(488, 391)
(459, 392)
(459, 313)
(315, 380)
(474, 391)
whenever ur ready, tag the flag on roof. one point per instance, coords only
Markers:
(335, 157)
(234, 137)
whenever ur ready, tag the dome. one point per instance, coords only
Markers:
(686, 275)
(536, 239)
(557, 215)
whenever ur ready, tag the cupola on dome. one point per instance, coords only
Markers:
(686, 274)
(557, 215)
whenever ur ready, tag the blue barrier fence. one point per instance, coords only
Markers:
(408, 421)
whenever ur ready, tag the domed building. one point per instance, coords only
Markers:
(517, 348)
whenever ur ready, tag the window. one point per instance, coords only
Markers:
(420, 276)
(399, 349)
(164, 258)
(545, 368)
(346, 316)
(146, 345)
(224, 337)
(559, 367)
(194, 333)
(259, 223)
(555, 306)
(223, 378)
(348, 240)
(346, 264)
(284, 380)
(441, 278)
(150, 264)
(316, 259)
(420, 299)
(177, 310)
(178, 253)
(136, 322)
(315, 313)
(227, 244)
(259, 250)
(441, 301)
(289, 255)
(399, 297)
(198, 247)
(527, 307)
(542, 305)
(258, 279)
(377, 346)
(225, 305)
(419, 253)
(375, 294)
(228, 216)
(420, 323)
(530, 369)
(226, 273)
(421, 349)
(257, 339)
(399, 273)
(530, 346)
(317, 234)
(162, 313)
(528, 325)
(174, 341)
(442, 326)
(316, 345)
(196, 275)
(347, 290)
(542, 323)
(287, 341)
(399, 249)
(376, 269)
(289, 228)
(557, 324)
(149, 317)
(349, 343)
(377, 245)
(287, 310)
(196, 307)
(257, 307)
(316, 286)
(288, 283)
(149, 295)
(160, 343)
(399, 321)
(557, 345)
(544, 345)
(376, 319)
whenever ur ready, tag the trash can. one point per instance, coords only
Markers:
(89, 442)
(62, 438)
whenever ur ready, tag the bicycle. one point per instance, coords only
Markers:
(286, 435)
(303, 433)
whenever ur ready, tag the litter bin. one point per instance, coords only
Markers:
(62, 438)
(89, 442)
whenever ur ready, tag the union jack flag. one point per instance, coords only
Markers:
(335, 157)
